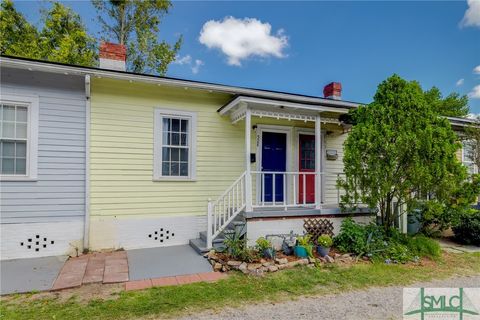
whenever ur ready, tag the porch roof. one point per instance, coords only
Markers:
(282, 109)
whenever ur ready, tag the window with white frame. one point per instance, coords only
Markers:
(174, 144)
(468, 156)
(18, 137)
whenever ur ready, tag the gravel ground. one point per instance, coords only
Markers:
(375, 303)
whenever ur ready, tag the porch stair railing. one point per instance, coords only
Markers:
(222, 211)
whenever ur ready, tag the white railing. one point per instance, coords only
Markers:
(223, 210)
(298, 189)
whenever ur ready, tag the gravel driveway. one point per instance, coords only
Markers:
(375, 303)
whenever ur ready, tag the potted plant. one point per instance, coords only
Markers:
(265, 248)
(303, 249)
(324, 243)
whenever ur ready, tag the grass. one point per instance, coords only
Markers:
(239, 289)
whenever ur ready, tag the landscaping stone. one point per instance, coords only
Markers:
(329, 259)
(281, 260)
(234, 263)
(272, 268)
(311, 260)
(267, 264)
(254, 266)
(256, 272)
(217, 266)
(243, 267)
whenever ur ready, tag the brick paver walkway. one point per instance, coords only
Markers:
(173, 281)
(95, 267)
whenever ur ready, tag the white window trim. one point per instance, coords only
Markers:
(468, 161)
(159, 113)
(32, 136)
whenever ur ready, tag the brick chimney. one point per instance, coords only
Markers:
(112, 56)
(333, 90)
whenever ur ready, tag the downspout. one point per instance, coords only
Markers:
(86, 225)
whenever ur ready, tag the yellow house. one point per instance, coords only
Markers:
(173, 161)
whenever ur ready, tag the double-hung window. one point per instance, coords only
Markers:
(468, 156)
(18, 137)
(174, 144)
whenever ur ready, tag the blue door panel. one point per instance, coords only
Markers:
(274, 158)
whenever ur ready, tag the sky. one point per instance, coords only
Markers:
(299, 47)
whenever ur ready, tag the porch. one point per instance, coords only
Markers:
(284, 174)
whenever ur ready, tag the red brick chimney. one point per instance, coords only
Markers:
(333, 90)
(112, 56)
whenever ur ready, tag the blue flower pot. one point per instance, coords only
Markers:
(322, 251)
(300, 252)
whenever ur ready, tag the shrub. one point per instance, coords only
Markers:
(325, 241)
(468, 230)
(263, 244)
(384, 245)
(304, 241)
(352, 237)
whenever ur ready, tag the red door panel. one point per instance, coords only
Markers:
(306, 163)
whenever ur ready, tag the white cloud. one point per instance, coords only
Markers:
(196, 66)
(183, 60)
(475, 116)
(475, 93)
(476, 70)
(240, 39)
(472, 15)
(188, 61)
(460, 82)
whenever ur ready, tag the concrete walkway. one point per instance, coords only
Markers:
(165, 262)
(453, 247)
(25, 275)
(138, 269)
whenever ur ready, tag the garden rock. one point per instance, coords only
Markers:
(256, 272)
(217, 266)
(272, 268)
(329, 259)
(254, 266)
(234, 264)
(243, 267)
(281, 260)
(311, 260)
(266, 264)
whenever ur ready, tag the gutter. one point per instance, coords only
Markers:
(86, 224)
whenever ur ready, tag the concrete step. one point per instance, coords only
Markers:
(203, 236)
(199, 245)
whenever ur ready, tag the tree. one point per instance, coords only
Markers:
(63, 37)
(17, 36)
(135, 24)
(453, 105)
(399, 149)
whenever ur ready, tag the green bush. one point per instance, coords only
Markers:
(325, 241)
(390, 246)
(468, 230)
(263, 244)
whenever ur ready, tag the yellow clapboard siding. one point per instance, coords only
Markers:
(121, 150)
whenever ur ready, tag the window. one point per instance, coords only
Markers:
(468, 156)
(18, 137)
(174, 136)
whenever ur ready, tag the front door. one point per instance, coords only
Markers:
(274, 158)
(306, 163)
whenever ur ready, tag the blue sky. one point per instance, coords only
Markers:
(310, 44)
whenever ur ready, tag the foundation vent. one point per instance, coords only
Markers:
(37, 243)
(162, 235)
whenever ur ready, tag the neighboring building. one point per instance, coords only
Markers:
(42, 162)
(170, 161)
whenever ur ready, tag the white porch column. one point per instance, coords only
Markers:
(318, 157)
(248, 176)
